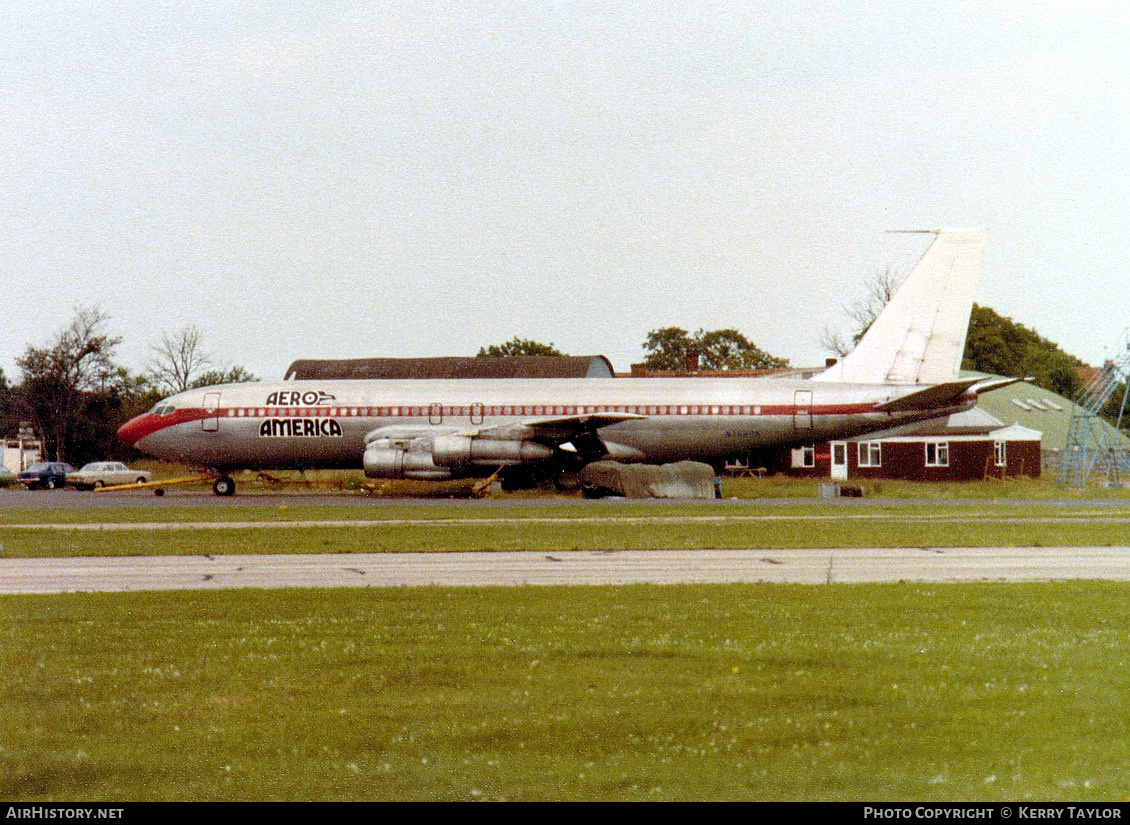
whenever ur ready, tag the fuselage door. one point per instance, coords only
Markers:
(476, 413)
(435, 414)
(211, 421)
(802, 410)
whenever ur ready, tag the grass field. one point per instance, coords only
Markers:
(862, 692)
(533, 526)
(849, 692)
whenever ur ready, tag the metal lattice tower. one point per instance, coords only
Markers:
(1092, 445)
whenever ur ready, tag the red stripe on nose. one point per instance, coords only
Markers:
(137, 428)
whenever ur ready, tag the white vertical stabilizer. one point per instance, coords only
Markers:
(919, 337)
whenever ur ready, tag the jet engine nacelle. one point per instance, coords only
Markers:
(455, 450)
(392, 458)
(384, 459)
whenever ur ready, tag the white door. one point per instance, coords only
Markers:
(839, 459)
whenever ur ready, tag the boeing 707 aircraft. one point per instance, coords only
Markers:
(904, 369)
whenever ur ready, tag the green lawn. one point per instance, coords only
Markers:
(852, 692)
(533, 526)
(862, 692)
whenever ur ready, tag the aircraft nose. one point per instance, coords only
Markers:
(136, 429)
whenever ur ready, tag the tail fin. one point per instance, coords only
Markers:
(919, 337)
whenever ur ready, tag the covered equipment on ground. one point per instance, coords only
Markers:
(683, 479)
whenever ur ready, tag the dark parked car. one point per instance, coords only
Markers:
(45, 474)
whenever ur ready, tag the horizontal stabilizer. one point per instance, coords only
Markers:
(990, 384)
(936, 396)
(940, 394)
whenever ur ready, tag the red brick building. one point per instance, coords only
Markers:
(968, 447)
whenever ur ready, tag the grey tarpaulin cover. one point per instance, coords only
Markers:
(683, 479)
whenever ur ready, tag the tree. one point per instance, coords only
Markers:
(669, 348)
(999, 345)
(61, 379)
(728, 349)
(177, 360)
(517, 346)
(10, 415)
(232, 375)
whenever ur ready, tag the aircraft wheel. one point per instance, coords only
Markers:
(223, 486)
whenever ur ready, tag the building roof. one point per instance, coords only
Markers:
(1037, 409)
(516, 366)
(1015, 432)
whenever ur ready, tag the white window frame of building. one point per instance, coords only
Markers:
(940, 454)
(804, 457)
(1000, 454)
(870, 453)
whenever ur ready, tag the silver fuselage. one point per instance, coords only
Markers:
(312, 424)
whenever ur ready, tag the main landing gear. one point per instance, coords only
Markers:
(223, 486)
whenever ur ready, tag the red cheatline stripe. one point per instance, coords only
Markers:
(147, 424)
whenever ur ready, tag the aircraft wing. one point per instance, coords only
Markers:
(564, 428)
(578, 430)
(433, 452)
(549, 430)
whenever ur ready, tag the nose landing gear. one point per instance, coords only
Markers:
(223, 486)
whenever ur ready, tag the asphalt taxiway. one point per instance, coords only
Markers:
(808, 566)
(924, 564)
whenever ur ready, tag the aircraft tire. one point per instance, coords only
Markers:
(223, 486)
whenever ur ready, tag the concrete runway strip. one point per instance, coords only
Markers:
(811, 566)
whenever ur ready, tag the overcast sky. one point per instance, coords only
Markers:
(322, 179)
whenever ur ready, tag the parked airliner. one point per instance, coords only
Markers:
(904, 369)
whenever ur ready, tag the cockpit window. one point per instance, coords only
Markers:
(163, 409)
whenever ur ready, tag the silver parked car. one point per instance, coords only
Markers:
(106, 474)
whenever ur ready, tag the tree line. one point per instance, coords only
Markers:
(74, 394)
(668, 349)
